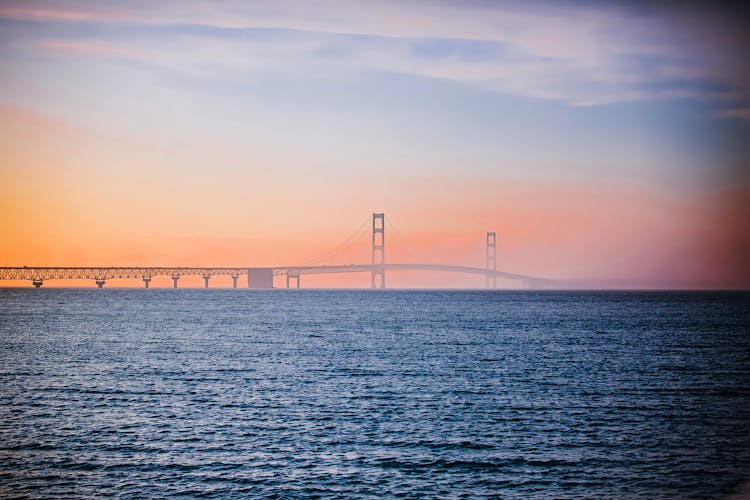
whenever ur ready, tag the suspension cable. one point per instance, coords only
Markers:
(352, 238)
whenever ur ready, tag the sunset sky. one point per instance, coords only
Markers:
(604, 142)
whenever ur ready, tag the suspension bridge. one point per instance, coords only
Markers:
(263, 277)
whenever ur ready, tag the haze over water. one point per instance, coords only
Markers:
(343, 394)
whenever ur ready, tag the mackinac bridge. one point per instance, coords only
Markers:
(263, 277)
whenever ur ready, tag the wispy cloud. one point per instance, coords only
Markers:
(43, 11)
(94, 48)
(587, 56)
(735, 113)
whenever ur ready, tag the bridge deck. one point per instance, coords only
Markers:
(105, 273)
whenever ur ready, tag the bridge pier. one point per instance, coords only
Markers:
(99, 283)
(260, 277)
(206, 277)
(37, 283)
(146, 280)
(292, 275)
(175, 278)
(234, 280)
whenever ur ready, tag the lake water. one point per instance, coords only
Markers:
(340, 394)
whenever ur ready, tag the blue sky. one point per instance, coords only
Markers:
(589, 84)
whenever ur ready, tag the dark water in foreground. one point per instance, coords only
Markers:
(150, 393)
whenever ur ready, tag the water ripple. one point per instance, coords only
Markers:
(228, 394)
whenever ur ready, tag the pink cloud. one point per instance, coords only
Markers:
(53, 13)
(94, 48)
(735, 113)
(44, 14)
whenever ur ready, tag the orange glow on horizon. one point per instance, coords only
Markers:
(74, 197)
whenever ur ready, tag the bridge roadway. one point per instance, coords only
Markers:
(367, 268)
(100, 274)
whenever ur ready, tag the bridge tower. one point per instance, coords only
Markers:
(378, 249)
(491, 259)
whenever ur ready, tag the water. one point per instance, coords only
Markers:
(340, 394)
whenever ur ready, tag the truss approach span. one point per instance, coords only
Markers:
(94, 273)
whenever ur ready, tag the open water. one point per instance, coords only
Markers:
(341, 394)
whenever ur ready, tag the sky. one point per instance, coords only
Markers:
(606, 143)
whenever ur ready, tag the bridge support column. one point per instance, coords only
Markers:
(99, 283)
(491, 260)
(206, 277)
(175, 278)
(378, 249)
(37, 283)
(292, 275)
(146, 280)
(234, 280)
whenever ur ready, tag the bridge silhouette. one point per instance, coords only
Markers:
(262, 277)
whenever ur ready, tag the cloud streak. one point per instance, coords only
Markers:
(592, 55)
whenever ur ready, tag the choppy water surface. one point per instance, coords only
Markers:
(351, 393)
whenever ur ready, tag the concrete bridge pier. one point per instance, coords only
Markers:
(100, 283)
(37, 283)
(146, 280)
(260, 277)
(206, 277)
(234, 280)
(175, 278)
